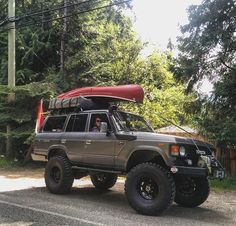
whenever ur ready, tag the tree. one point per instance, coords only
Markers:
(21, 114)
(208, 48)
(165, 99)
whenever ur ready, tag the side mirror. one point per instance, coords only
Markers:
(111, 109)
(103, 128)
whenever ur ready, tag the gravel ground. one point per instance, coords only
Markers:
(24, 200)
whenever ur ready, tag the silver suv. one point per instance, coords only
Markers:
(103, 144)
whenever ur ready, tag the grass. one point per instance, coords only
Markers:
(4, 163)
(228, 184)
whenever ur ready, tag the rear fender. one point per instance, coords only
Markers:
(57, 150)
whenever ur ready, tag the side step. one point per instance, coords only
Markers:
(96, 170)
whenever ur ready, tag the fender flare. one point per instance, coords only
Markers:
(155, 150)
(55, 147)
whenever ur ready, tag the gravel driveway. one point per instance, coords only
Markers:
(25, 201)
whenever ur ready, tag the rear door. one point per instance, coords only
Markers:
(74, 135)
(50, 135)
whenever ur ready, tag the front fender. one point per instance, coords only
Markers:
(154, 150)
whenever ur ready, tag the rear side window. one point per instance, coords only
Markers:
(54, 124)
(77, 123)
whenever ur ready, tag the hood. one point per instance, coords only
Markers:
(169, 139)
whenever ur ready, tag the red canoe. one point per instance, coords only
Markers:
(132, 93)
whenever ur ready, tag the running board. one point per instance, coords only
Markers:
(96, 170)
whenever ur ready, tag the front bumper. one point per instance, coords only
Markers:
(198, 171)
(190, 171)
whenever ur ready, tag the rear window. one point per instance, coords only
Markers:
(54, 124)
(77, 123)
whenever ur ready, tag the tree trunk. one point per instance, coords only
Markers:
(233, 162)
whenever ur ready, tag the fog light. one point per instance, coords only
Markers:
(182, 151)
(190, 162)
(201, 163)
(174, 169)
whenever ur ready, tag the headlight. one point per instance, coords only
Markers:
(182, 151)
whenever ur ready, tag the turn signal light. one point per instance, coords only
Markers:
(174, 150)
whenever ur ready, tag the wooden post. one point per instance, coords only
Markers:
(63, 38)
(11, 70)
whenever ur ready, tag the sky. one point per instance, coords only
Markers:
(156, 21)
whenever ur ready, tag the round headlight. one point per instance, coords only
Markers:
(182, 151)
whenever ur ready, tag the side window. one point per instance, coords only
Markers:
(54, 124)
(77, 123)
(95, 122)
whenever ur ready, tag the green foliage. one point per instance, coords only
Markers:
(164, 97)
(218, 118)
(208, 49)
(4, 163)
(21, 113)
(208, 44)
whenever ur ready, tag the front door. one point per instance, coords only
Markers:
(99, 148)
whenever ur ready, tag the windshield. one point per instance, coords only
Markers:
(129, 122)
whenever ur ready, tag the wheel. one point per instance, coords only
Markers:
(103, 180)
(191, 192)
(58, 175)
(149, 188)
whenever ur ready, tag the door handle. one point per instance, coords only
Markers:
(63, 141)
(88, 142)
(121, 142)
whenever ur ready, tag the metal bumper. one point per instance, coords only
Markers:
(213, 173)
(190, 171)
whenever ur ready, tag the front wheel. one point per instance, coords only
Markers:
(149, 188)
(190, 191)
(103, 181)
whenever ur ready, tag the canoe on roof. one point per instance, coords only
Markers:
(133, 93)
(97, 97)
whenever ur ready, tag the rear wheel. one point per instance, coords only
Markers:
(191, 192)
(150, 189)
(103, 181)
(58, 175)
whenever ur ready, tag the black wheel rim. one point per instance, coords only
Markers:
(101, 177)
(187, 187)
(148, 188)
(55, 174)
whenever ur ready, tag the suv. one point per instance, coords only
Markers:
(160, 168)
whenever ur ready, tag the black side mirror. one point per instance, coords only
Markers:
(108, 134)
(111, 109)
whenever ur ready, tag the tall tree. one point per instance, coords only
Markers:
(208, 48)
